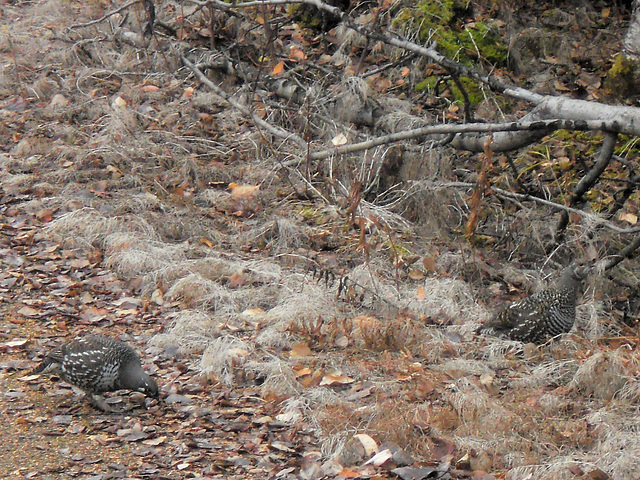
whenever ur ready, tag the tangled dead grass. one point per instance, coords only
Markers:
(135, 179)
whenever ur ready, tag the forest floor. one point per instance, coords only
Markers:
(299, 326)
(50, 431)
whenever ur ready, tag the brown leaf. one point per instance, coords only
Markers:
(79, 263)
(243, 190)
(442, 447)
(300, 350)
(301, 372)
(16, 342)
(154, 442)
(416, 275)
(29, 312)
(369, 444)
(336, 379)
(236, 281)
(429, 264)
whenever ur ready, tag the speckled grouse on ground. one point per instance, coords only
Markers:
(542, 315)
(98, 364)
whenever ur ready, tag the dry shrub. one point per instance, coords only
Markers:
(323, 334)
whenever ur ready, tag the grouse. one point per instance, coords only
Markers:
(542, 315)
(98, 364)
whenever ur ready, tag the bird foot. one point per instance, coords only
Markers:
(99, 402)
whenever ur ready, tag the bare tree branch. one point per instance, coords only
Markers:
(273, 129)
(540, 127)
(624, 253)
(586, 182)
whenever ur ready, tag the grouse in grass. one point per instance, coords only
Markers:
(98, 364)
(543, 315)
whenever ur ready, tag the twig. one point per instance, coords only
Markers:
(273, 129)
(622, 254)
(394, 40)
(106, 15)
(586, 182)
(525, 197)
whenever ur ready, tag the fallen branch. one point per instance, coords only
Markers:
(541, 127)
(588, 181)
(273, 129)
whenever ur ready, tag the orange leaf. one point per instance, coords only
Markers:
(278, 69)
(349, 474)
(420, 293)
(149, 88)
(303, 372)
(236, 280)
(296, 54)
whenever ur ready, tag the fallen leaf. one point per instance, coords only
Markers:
(119, 102)
(629, 217)
(339, 139)
(17, 342)
(154, 441)
(380, 458)
(278, 69)
(429, 264)
(332, 379)
(296, 54)
(369, 444)
(29, 312)
(243, 190)
(416, 275)
(300, 350)
(302, 372)
(414, 473)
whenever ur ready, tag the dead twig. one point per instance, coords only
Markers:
(273, 129)
(585, 184)
(106, 15)
(526, 197)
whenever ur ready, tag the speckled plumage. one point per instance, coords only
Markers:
(98, 364)
(543, 315)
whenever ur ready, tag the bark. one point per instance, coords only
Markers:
(632, 38)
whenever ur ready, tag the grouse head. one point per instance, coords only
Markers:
(133, 377)
(573, 275)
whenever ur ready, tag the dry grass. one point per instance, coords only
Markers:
(140, 182)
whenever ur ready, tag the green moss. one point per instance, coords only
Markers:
(621, 81)
(447, 22)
